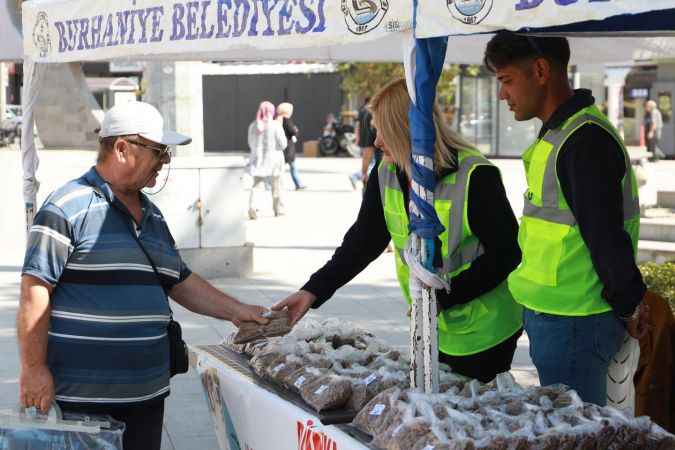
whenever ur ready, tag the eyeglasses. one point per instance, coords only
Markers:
(163, 152)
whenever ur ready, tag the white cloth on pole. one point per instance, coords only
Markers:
(409, 63)
(33, 77)
(420, 277)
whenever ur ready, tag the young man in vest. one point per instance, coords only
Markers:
(578, 280)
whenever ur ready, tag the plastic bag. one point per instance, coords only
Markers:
(622, 368)
(31, 431)
(327, 392)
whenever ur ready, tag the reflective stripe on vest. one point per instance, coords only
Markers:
(550, 210)
(483, 322)
(445, 192)
(557, 275)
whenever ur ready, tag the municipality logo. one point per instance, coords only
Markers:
(470, 12)
(41, 37)
(362, 16)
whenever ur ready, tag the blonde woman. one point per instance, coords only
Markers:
(284, 114)
(479, 323)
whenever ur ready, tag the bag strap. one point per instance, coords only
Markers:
(147, 256)
(152, 263)
(142, 247)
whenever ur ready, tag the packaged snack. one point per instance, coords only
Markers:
(327, 392)
(278, 325)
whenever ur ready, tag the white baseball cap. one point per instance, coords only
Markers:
(142, 119)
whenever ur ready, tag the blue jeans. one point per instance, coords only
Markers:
(575, 351)
(295, 176)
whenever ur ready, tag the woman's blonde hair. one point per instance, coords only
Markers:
(390, 112)
(285, 109)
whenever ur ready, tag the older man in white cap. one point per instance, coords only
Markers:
(100, 261)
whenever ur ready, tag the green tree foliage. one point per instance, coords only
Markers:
(360, 80)
(660, 279)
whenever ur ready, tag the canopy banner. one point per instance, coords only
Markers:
(451, 17)
(82, 30)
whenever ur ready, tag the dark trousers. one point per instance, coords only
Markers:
(652, 146)
(143, 423)
(484, 366)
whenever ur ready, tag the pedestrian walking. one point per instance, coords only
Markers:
(285, 114)
(365, 138)
(267, 141)
(652, 126)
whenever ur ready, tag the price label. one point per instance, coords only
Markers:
(321, 390)
(378, 409)
(278, 368)
(299, 382)
(372, 377)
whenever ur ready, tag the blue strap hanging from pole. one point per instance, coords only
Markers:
(429, 59)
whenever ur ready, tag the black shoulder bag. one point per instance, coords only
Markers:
(178, 352)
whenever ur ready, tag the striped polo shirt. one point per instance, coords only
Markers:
(108, 341)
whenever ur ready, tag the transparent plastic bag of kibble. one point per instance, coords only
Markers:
(28, 430)
(306, 330)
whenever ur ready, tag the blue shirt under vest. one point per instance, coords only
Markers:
(107, 335)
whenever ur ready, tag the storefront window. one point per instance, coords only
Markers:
(486, 122)
(476, 115)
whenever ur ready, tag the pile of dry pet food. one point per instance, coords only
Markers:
(501, 415)
(333, 365)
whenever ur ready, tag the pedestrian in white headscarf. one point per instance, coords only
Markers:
(267, 142)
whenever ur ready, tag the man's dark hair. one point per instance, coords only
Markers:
(507, 48)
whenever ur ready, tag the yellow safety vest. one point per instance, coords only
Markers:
(556, 274)
(483, 322)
